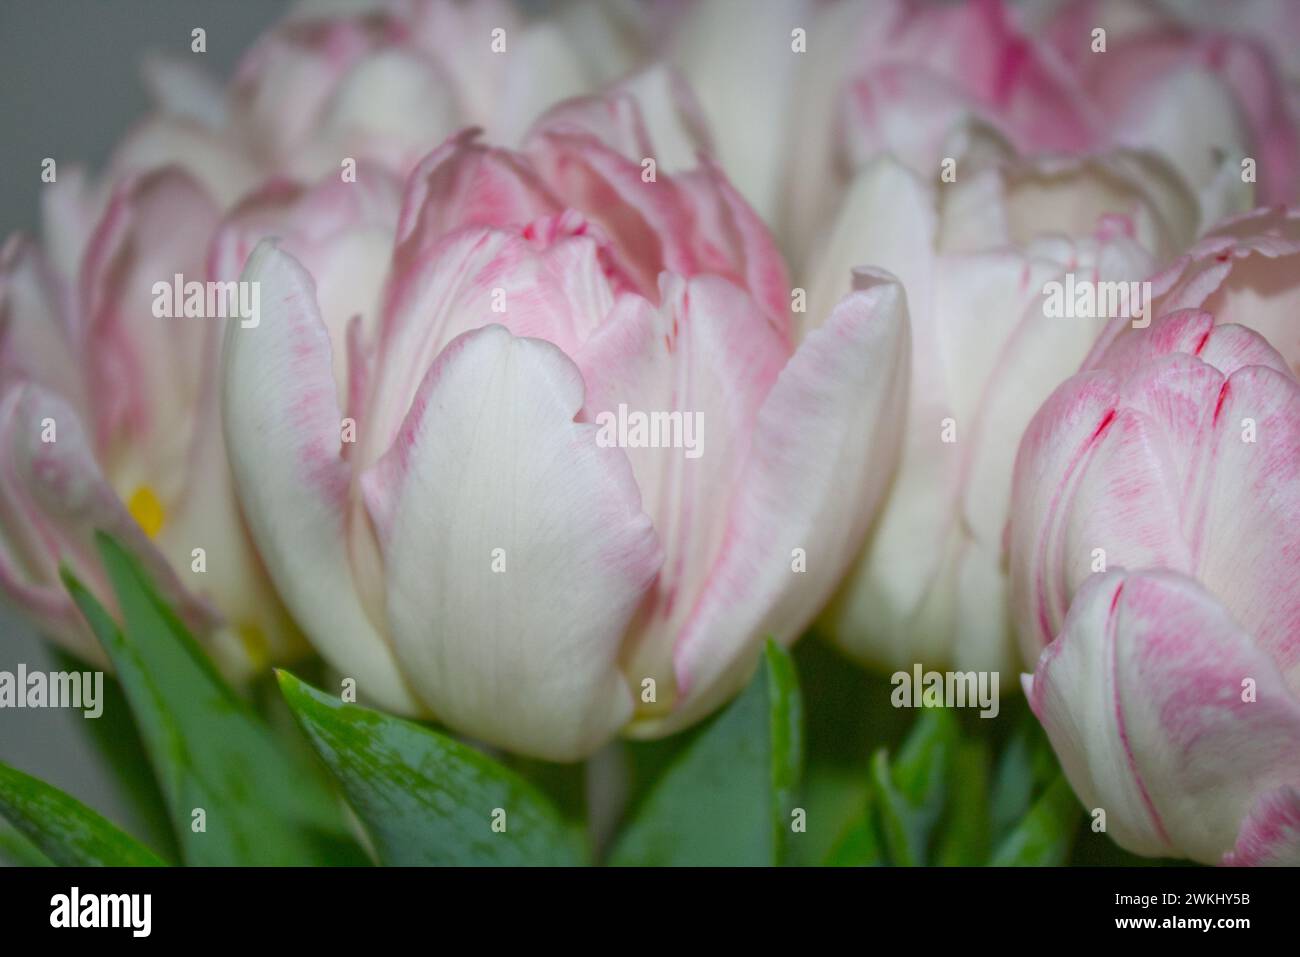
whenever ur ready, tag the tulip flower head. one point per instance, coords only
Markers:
(1159, 500)
(480, 553)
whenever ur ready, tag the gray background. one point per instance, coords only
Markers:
(70, 88)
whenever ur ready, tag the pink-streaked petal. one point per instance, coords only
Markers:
(342, 234)
(283, 435)
(1190, 332)
(305, 218)
(1263, 294)
(518, 647)
(734, 243)
(1247, 271)
(465, 183)
(1147, 459)
(651, 114)
(1064, 432)
(146, 371)
(1249, 527)
(650, 223)
(1145, 698)
(1115, 481)
(708, 355)
(908, 108)
(1154, 70)
(824, 451)
(981, 50)
(550, 281)
(37, 341)
(55, 498)
(1270, 835)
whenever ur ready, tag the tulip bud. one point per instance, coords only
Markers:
(1169, 690)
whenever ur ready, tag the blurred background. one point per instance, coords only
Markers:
(71, 88)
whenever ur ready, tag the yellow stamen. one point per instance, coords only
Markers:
(255, 644)
(146, 510)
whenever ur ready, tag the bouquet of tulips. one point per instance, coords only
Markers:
(711, 432)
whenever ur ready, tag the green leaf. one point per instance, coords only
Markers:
(728, 797)
(1044, 836)
(844, 724)
(17, 851)
(1026, 767)
(902, 835)
(63, 829)
(918, 769)
(116, 739)
(259, 803)
(966, 839)
(911, 791)
(425, 798)
(859, 844)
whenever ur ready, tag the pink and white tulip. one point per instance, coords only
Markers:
(190, 190)
(477, 554)
(1204, 97)
(109, 420)
(897, 76)
(373, 82)
(975, 258)
(1171, 690)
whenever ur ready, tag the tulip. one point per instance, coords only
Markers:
(1184, 401)
(1169, 690)
(108, 411)
(390, 81)
(976, 258)
(1157, 71)
(483, 553)
(378, 83)
(109, 420)
(896, 76)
